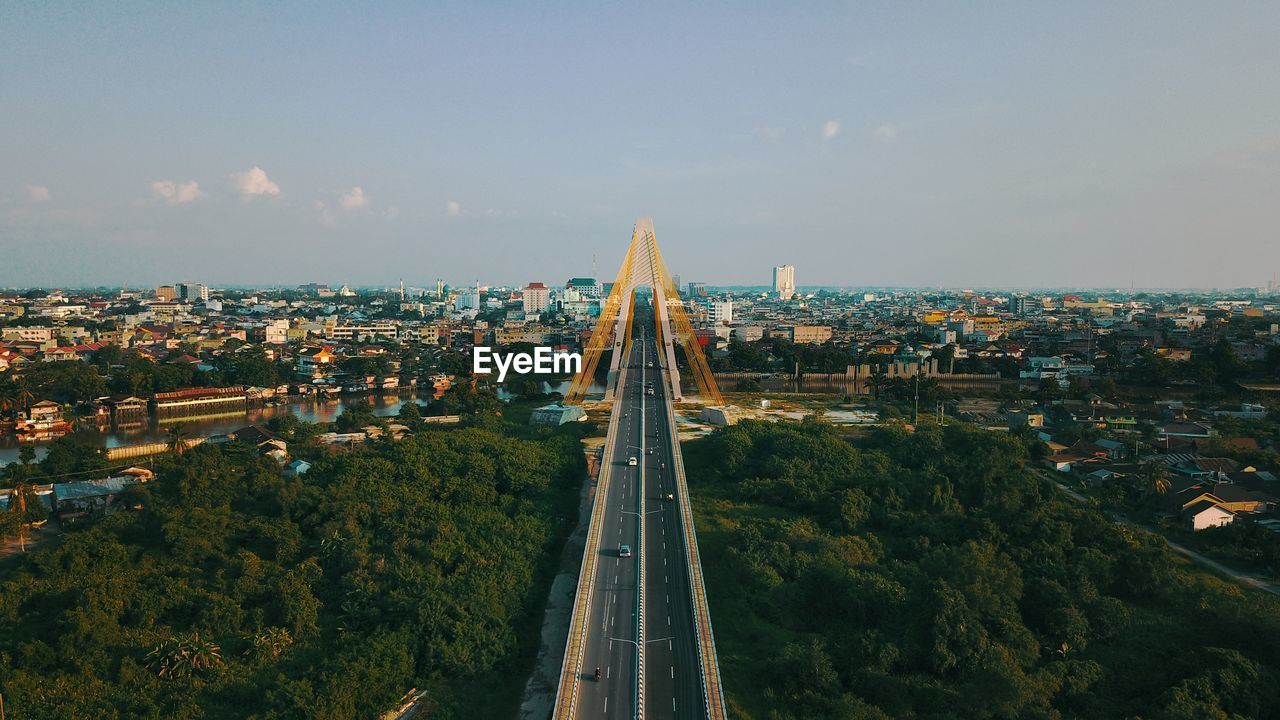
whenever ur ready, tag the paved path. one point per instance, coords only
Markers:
(1241, 577)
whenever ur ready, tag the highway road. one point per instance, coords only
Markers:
(673, 683)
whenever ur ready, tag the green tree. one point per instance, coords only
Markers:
(183, 656)
(1154, 477)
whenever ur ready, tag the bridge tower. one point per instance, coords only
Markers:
(643, 267)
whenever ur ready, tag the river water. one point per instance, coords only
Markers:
(150, 430)
(309, 409)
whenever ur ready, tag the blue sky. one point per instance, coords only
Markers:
(1055, 144)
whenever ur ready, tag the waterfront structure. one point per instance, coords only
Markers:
(197, 400)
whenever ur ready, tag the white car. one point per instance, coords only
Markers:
(631, 460)
(624, 551)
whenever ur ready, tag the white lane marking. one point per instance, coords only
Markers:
(606, 703)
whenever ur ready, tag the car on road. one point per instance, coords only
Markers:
(624, 551)
(631, 460)
(671, 496)
(650, 363)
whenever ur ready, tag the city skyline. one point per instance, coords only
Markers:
(1090, 146)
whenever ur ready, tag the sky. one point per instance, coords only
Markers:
(1083, 144)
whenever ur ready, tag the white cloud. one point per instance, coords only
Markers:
(327, 216)
(830, 128)
(171, 192)
(454, 208)
(885, 134)
(353, 199)
(254, 181)
(37, 193)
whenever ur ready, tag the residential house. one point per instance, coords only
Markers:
(1206, 514)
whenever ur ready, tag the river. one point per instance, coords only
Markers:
(310, 409)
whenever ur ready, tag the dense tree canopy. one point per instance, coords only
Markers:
(930, 575)
(238, 593)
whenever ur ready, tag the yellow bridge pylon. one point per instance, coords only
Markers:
(643, 267)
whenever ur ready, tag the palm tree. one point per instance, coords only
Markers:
(24, 395)
(878, 380)
(271, 642)
(1155, 478)
(19, 497)
(179, 438)
(184, 656)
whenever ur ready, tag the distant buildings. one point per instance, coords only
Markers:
(536, 298)
(587, 288)
(720, 312)
(192, 292)
(784, 281)
(363, 332)
(276, 332)
(805, 334)
(467, 299)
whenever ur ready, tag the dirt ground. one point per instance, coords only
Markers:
(540, 692)
(42, 536)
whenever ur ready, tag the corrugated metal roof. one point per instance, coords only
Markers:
(90, 488)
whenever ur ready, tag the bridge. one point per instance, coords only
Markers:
(640, 614)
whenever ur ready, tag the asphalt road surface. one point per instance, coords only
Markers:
(673, 684)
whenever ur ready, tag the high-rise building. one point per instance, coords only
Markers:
(721, 312)
(167, 293)
(784, 281)
(1018, 304)
(697, 289)
(536, 297)
(467, 299)
(586, 287)
(192, 292)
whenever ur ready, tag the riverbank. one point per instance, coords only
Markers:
(152, 430)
